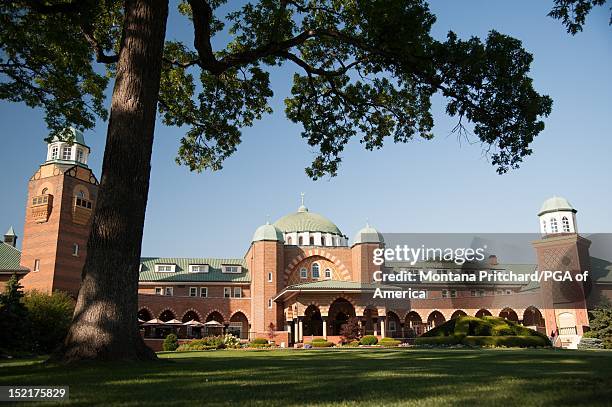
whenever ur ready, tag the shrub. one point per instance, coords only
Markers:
(50, 316)
(321, 344)
(390, 342)
(352, 344)
(350, 331)
(507, 341)
(170, 343)
(369, 340)
(260, 341)
(14, 321)
(590, 343)
(230, 341)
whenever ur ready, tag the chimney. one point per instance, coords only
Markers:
(10, 238)
(493, 260)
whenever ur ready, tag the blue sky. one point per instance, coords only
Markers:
(423, 186)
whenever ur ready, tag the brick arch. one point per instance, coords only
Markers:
(413, 311)
(339, 266)
(193, 310)
(483, 309)
(81, 188)
(170, 309)
(151, 313)
(236, 311)
(218, 311)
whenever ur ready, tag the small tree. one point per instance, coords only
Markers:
(601, 323)
(170, 343)
(50, 316)
(350, 331)
(14, 322)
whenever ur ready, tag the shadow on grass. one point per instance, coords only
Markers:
(380, 377)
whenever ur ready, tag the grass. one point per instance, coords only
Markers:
(334, 377)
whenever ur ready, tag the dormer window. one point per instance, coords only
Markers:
(198, 268)
(66, 153)
(230, 268)
(80, 156)
(54, 152)
(165, 268)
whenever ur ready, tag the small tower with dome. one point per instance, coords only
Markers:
(557, 215)
(71, 150)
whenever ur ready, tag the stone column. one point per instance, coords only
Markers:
(301, 328)
(383, 329)
(324, 327)
(375, 326)
(296, 332)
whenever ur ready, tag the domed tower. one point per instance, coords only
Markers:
(304, 228)
(561, 248)
(61, 199)
(366, 241)
(557, 215)
(265, 259)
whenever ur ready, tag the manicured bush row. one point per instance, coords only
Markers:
(438, 340)
(260, 341)
(507, 341)
(369, 340)
(390, 342)
(321, 343)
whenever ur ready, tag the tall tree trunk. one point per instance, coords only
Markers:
(104, 325)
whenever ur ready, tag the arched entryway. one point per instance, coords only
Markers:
(509, 314)
(413, 324)
(216, 329)
(191, 315)
(144, 315)
(167, 315)
(435, 319)
(458, 313)
(393, 326)
(483, 313)
(215, 316)
(239, 325)
(339, 312)
(313, 322)
(532, 318)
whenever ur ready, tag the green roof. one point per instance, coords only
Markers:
(337, 285)
(554, 204)
(182, 274)
(267, 232)
(304, 221)
(10, 258)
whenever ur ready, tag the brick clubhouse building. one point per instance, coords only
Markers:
(301, 275)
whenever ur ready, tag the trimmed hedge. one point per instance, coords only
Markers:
(507, 341)
(321, 343)
(259, 341)
(369, 340)
(390, 342)
(438, 340)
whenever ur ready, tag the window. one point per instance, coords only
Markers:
(508, 292)
(237, 292)
(66, 153)
(269, 277)
(444, 293)
(198, 268)
(565, 222)
(473, 293)
(553, 225)
(165, 268)
(301, 240)
(37, 265)
(169, 291)
(231, 269)
(75, 249)
(392, 326)
(544, 226)
(270, 303)
(312, 240)
(327, 273)
(80, 156)
(45, 191)
(203, 292)
(193, 291)
(158, 291)
(54, 152)
(303, 273)
(481, 293)
(453, 293)
(289, 240)
(227, 292)
(81, 194)
(83, 203)
(315, 270)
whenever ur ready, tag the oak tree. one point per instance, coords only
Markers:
(364, 69)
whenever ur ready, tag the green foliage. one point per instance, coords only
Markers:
(170, 343)
(259, 341)
(369, 340)
(352, 344)
(15, 331)
(506, 341)
(321, 343)
(389, 342)
(365, 70)
(438, 340)
(590, 343)
(573, 13)
(210, 342)
(600, 321)
(50, 316)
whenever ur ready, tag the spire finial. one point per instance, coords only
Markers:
(302, 208)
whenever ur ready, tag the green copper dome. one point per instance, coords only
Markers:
(304, 221)
(554, 204)
(267, 232)
(368, 235)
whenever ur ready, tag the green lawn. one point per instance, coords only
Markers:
(326, 377)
